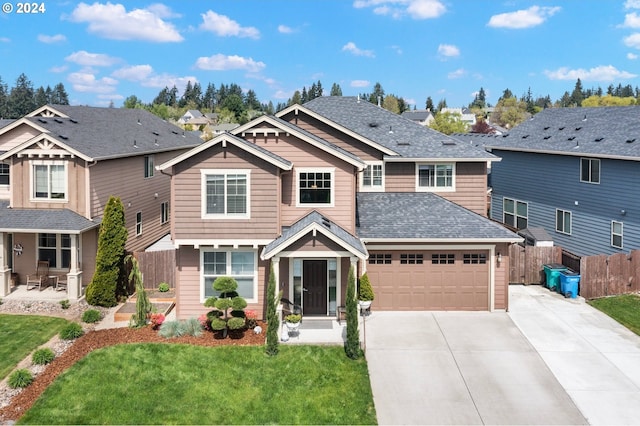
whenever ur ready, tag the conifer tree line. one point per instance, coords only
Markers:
(22, 98)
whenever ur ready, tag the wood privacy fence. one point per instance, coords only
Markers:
(526, 264)
(157, 267)
(604, 275)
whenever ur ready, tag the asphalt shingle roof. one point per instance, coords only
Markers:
(602, 131)
(422, 215)
(407, 138)
(102, 133)
(43, 220)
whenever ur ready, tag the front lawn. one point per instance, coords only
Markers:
(624, 308)
(21, 334)
(182, 384)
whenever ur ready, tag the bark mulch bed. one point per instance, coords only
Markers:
(101, 338)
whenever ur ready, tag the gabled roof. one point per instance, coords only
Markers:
(315, 222)
(423, 217)
(62, 221)
(399, 137)
(417, 115)
(105, 133)
(604, 132)
(282, 126)
(223, 140)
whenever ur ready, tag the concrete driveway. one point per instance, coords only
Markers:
(532, 365)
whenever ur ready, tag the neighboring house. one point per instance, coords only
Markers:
(466, 115)
(423, 117)
(60, 164)
(223, 127)
(574, 172)
(192, 116)
(333, 184)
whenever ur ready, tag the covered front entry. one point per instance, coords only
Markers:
(314, 282)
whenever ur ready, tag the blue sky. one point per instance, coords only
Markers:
(107, 51)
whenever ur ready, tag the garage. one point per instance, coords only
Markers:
(430, 280)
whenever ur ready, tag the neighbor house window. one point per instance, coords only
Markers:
(315, 187)
(563, 221)
(433, 177)
(372, 177)
(616, 234)
(225, 194)
(139, 223)
(589, 170)
(515, 213)
(4, 174)
(148, 166)
(49, 180)
(164, 212)
(56, 248)
(241, 265)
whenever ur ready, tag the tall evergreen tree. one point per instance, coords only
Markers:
(41, 97)
(577, 95)
(4, 100)
(335, 90)
(429, 104)
(21, 98)
(59, 95)
(209, 97)
(352, 343)
(273, 324)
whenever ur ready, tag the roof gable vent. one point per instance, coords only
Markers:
(401, 143)
(578, 128)
(599, 139)
(547, 137)
(57, 120)
(525, 136)
(571, 138)
(546, 127)
(74, 121)
(326, 222)
(373, 124)
(63, 137)
(561, 128)
(42, 120)
(630, 140)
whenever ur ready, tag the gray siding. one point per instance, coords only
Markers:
(549, 182)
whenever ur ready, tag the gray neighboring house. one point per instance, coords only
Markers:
(423, 117)
(62, 164)
(574, 172)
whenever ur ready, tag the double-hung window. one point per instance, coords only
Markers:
(148, 166)
(616, 234)
(563, 221)
(49, 180)
(225, 194)
(372, 177)
(164, 212)
(315, 187)
(435, 177)
(515, 213)
(590, 170)
(241, 265)
(56, 248)
(4, 174)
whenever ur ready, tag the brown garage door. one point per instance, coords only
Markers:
(428, 280)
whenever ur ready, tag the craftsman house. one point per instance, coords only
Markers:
(329, 185)
(58, 167)
(574, 172)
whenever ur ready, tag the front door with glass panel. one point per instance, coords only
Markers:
(314, 282)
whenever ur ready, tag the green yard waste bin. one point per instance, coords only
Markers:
(552, 275)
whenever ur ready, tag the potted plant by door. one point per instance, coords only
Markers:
(365, 292)
(293, 321)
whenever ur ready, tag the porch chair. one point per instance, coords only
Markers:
(61, 282)
(40, 277)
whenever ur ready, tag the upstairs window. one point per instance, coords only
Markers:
(4, 174)
(435, 177)
(589, 170)
(315, 187)
(148, 166)
(164, 212)
(225, 194)
(49, 181)
(515, 213)
(372, 177)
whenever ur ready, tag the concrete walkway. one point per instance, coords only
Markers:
(550, 360)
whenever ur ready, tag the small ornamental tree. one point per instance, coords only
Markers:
(272, 316)
(352, 344)
(228, 300)
(143, 305)
(107, 283)
(365, 291)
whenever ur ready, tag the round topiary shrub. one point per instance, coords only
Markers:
(43, 356)
(91, 316)
(163, 287)
(71, 331)
(20, 378)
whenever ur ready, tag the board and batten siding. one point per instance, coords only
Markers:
(470, 183)
(187, 197)
(548, 182)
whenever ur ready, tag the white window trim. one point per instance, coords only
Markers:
(621, 234)
(330, 170)
(203, 193)
(139, 224)
(8, 174)
(164, 209)
(228, 252)
(451, 188)
(570, 221)
(515, 212)
(58, 248)
(32, 189)
(371, 188)
(149, 170)
(599, 170)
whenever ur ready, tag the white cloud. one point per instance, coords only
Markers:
(59, 69)
(519, 19)
(632, 4)
(600, 73)
(225, 27)
(5, 40)
(84, 58)
(632, 56)
(448, 51)
(112, 21)
(134, 73)
(87, 82)
(631, 20)
(359, 83)
(633, 40)
(416, 9)
(222, 62)
(160, 81)
(352, 48)
(285, 29)
(51, 39)
(459, 73)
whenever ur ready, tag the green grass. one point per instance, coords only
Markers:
(181, 384)
(21, 334)
(625, 309)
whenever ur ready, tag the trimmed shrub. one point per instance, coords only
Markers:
(71, 331)
(365, 291)
(163, 287)
(65, 304)
(43, 356)
(91, 316)
(20, 378)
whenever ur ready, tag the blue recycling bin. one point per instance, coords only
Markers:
(569, 283)
(552, 275)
